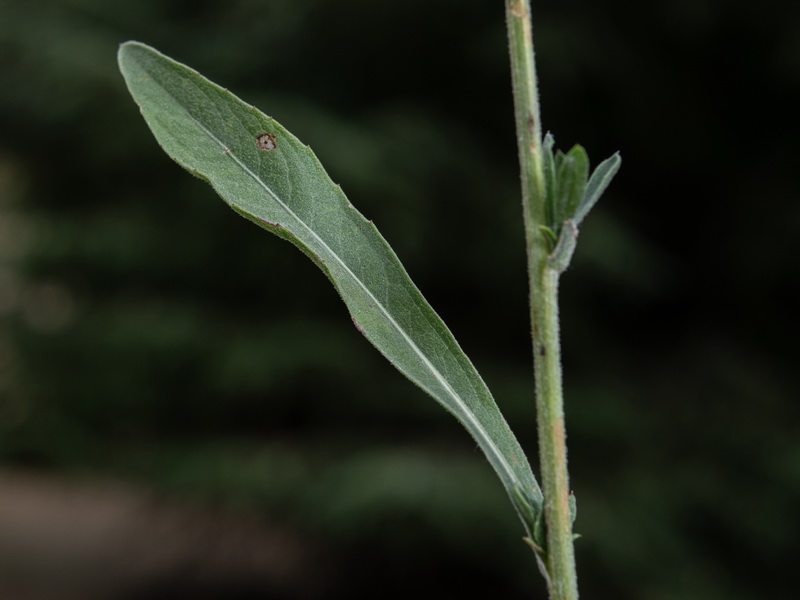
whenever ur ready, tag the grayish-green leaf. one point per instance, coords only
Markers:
(572, 181)
(561, 255)
(267, 175)
(551, 184)
(597, 184)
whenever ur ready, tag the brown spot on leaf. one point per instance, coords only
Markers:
(266, 141)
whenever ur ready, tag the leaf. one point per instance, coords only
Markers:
(561, 255)
(572, 181)
(268, 176)
(565, 183)
(551, 183)
(597, 184)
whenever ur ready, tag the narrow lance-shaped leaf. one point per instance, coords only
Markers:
(551, 183)
(267, 175)
(572, 181)
(597, 184)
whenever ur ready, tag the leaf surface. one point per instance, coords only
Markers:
(597, 184)
(268, 176)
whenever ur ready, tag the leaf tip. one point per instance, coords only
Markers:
(129, 45)
(127, 54)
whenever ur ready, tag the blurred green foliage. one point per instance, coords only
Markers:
(148, 333)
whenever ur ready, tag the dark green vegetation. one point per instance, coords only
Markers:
(132, 345)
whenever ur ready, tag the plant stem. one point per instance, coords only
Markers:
(559, 557)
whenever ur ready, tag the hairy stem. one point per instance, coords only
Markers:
(559, 558)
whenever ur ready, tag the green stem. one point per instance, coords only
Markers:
(559, 557)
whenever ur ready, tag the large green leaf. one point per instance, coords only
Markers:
(267, 175)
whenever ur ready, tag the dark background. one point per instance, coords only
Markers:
(187, 411)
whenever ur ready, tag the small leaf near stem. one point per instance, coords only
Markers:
(597, 184)
(561, 256)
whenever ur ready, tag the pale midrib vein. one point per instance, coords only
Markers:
(478, 429)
